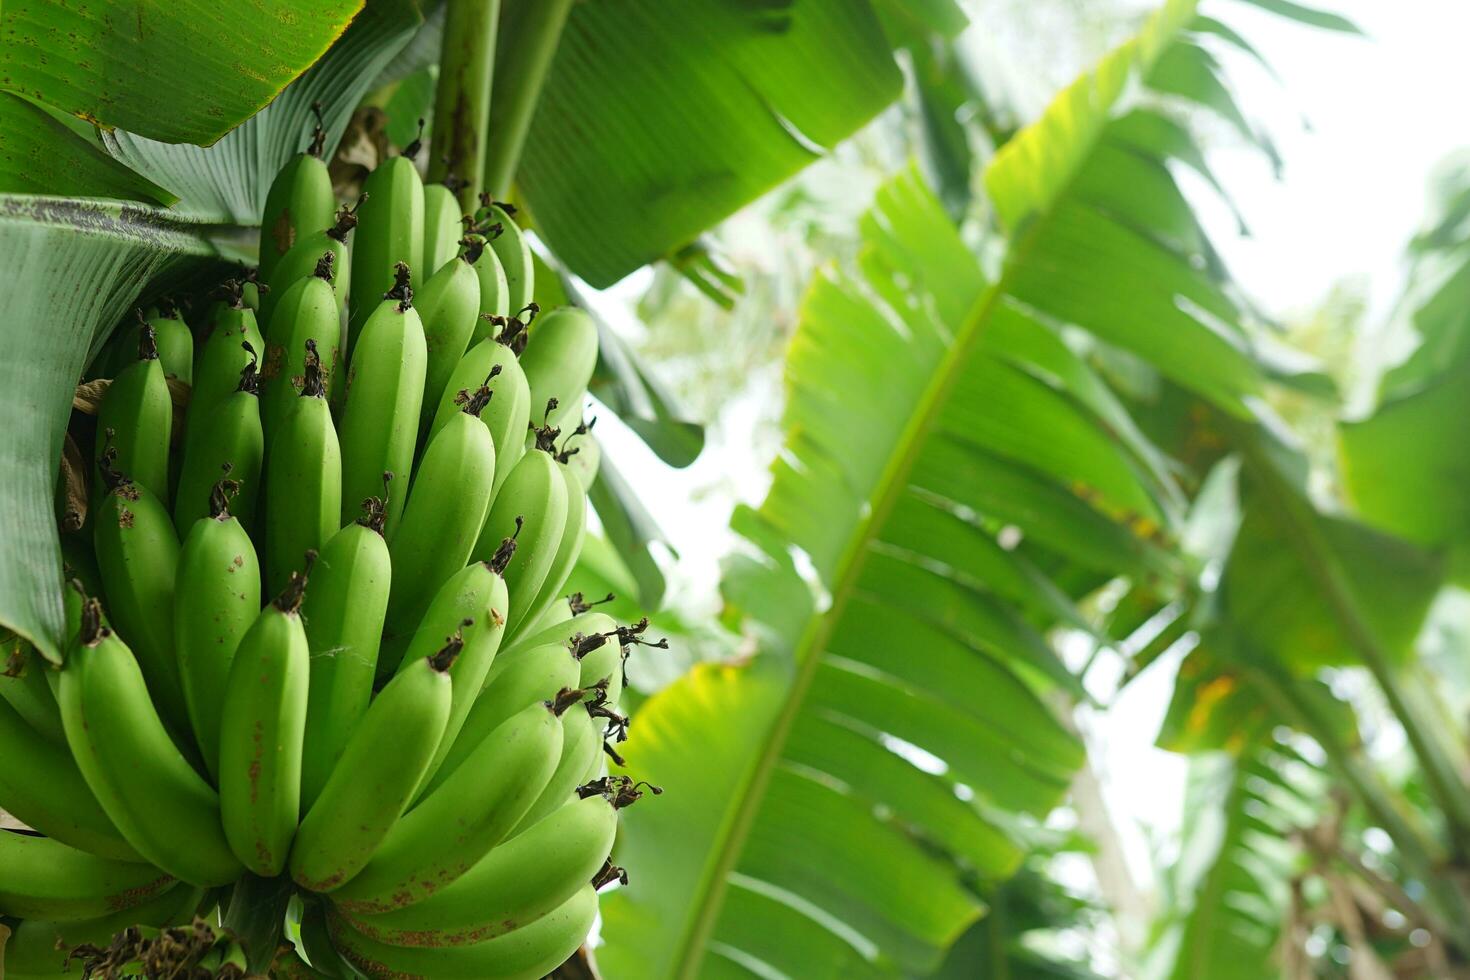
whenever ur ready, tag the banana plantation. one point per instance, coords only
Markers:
(734, 490)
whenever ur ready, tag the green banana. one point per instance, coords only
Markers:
(41, 787)
(46, 879)
(137, 415)
(494, 291)
(171, 334)
(303, 479)
(584, 622)
(447, 306)
(261, 727)
(583, 454)
(533, 500)
(40, 947)
(443, 224)
(299, 202)
(301, 261)
(25, 690)
(138, 556)
(216, 601)
(150, 792)
(511, 248)
(509, 412)
(581, 747)
(456, 825)
(222, 356)
(391, 234)
(528, 953)
(307, 311)
(385, 389)
(376, 773)
(514, 885)
(560, 356)
(344, 620)
(445, 511)
(481, 588)
(568, 549)
(231, 443)
(251, 290)
(557, 612)
(538, 675)
(175, 343)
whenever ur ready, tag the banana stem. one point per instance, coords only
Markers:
(462, 98)
(528, 44)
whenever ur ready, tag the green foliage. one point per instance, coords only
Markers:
(672, 116)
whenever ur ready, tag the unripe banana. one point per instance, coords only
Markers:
(222, 355)
(24, 688)
(375, 775)
(300, 201)
(231, 442)
(514, 885)
(308, 311)
(302, 261)
(583, 453)
(445, 511)
(448, 307)
(41, 787)
(581, 747)
(528, 953)
(175, 344)
(46, 879)
(385, 389)
(391, 233)
(261, 730)
(138, 556)
(537, 676)
(586, 621)
(494, 291)
(344, 614)
(568, 549)
(479, 593)
(136, 419)
(217, 600)
(303, 480)
(157, 801)
(533, 500)
(509, 412)
(560, 357)
(39, 948)
(511, 248)
(456, 825)
(443, 225)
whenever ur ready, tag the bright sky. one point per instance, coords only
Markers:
(1382, 112)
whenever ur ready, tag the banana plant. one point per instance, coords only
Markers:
(116, 180)
(956, 479)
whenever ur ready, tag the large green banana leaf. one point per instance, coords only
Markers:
(183, 72)
(672, 115)
(934, 420)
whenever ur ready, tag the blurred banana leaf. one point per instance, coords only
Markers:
(1229, 894)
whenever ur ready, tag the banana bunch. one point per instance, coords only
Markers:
(314, 617)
